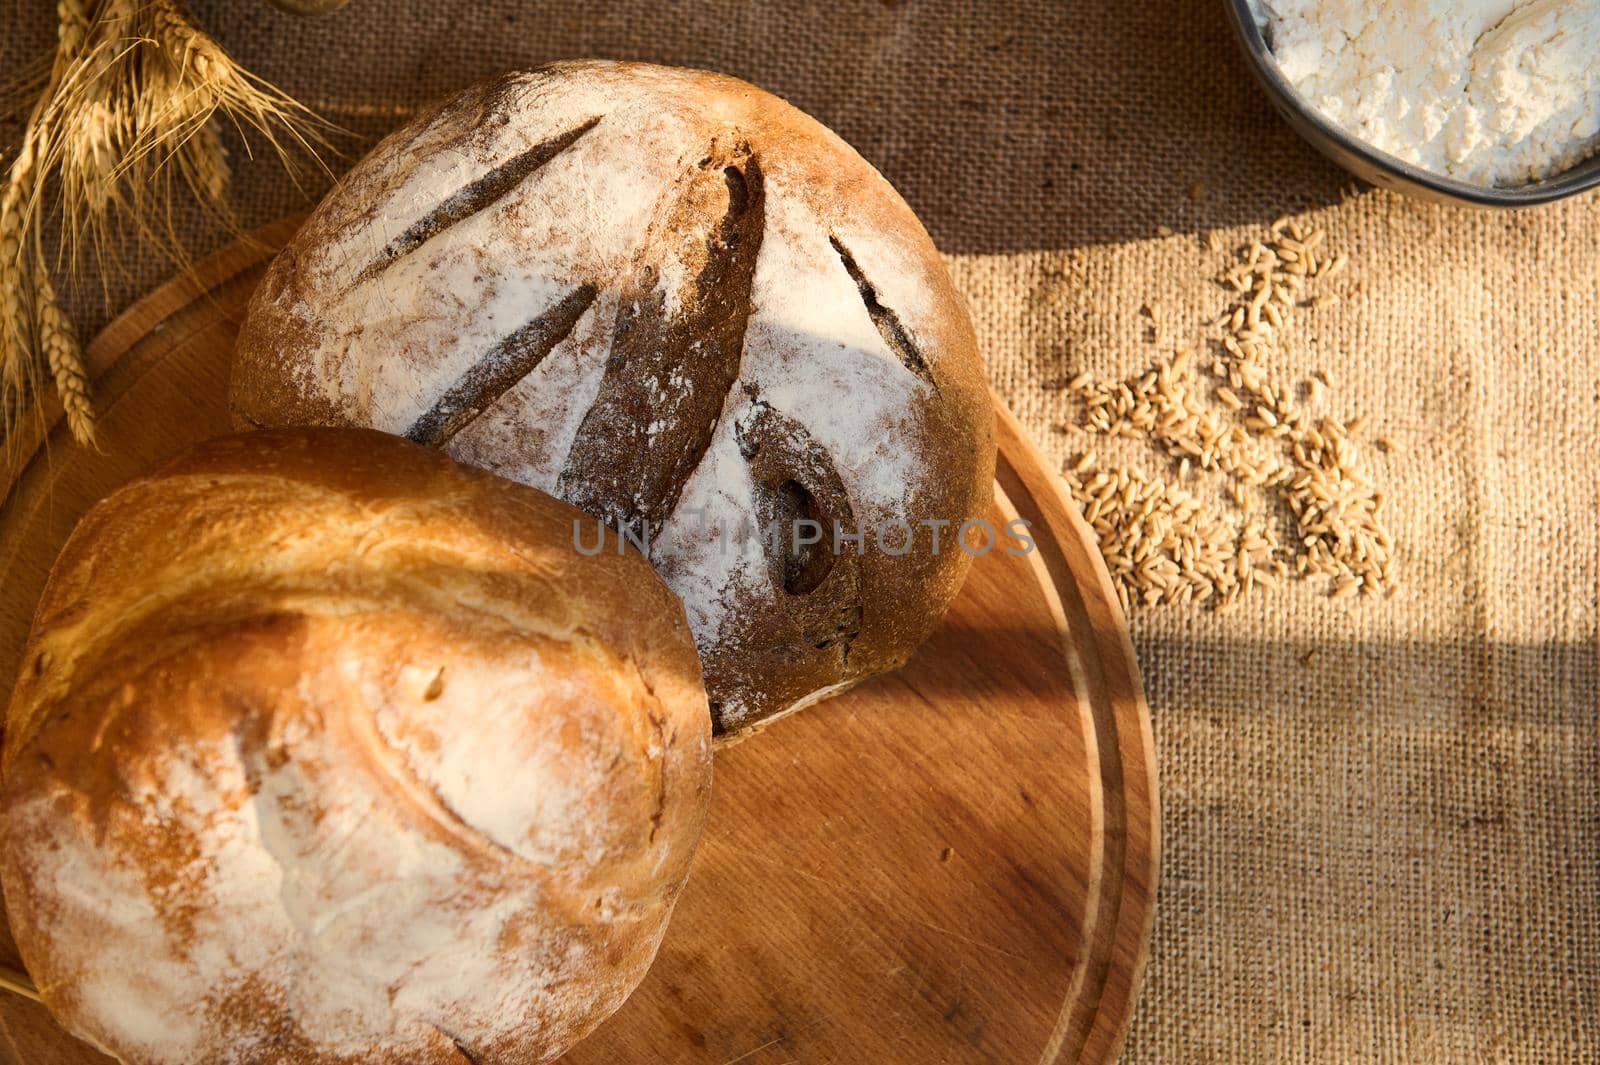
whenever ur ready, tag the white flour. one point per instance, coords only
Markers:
(1491, 92)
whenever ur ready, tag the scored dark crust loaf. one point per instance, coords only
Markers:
(682, 305)
(330, 750)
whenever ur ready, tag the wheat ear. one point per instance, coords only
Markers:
(207, 164)
(72, 18)
(17, 369)
(64, 356)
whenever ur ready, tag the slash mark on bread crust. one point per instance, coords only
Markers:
(888, 323)
(669, 371)
(796, 480)
(477, 196)
(498, 372)
(461, 1049)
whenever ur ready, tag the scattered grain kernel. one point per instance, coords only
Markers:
(1166, 546)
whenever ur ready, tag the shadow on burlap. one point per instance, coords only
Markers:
(1382, 819)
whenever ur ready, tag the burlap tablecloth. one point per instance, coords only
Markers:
(1381, 820)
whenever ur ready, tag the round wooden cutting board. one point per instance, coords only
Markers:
(953, 863)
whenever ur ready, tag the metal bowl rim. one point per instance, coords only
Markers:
(1581, 178)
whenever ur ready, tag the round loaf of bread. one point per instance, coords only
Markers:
(327, 749)
(682, 305)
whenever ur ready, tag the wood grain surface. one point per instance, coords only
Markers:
(952, 863)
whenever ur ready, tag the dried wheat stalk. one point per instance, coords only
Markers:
(129, 113)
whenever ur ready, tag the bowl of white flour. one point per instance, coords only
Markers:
(1488, 102)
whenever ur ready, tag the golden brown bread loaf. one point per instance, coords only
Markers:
(682, 305)
(327, 749)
